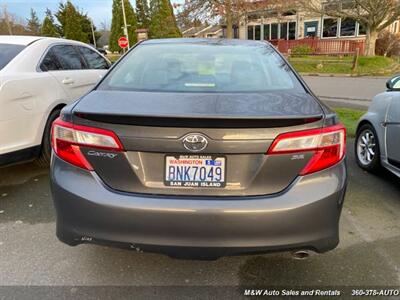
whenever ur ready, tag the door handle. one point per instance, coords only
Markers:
(67, 81)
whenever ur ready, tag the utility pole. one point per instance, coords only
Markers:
(125, 25)
(94, 37)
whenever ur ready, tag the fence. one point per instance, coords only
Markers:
(322, 46)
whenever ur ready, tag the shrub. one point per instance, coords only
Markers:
(302, 50)
(388, 44)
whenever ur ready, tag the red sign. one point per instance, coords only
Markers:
(123, 42)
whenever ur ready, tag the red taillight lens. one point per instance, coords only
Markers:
(328, 145)
(67, 139)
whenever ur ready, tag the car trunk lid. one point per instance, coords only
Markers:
(239, 128)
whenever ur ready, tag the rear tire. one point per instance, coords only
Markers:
(43, 160)
(367, 150)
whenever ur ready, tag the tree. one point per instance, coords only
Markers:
(117, 24)
(5, 16)
(388, 44)
(374, 15)
(142, 13)
(185, 20)
(48, 27)
(11, 24)
(163, 23)
(74, 24)
(33, 23)
(87, 24)
(224, 11)
(230, 12)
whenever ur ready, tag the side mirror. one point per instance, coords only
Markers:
(393, 84)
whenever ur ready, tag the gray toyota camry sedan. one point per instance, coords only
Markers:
(199, 148)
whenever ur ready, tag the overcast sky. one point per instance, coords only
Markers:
(98, 10)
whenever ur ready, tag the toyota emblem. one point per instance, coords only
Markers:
(195, 142)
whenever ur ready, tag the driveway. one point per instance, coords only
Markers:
(30, 254)
(352, 92)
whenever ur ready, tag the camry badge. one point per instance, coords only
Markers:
(195, 142)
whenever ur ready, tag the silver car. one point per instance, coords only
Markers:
(378, 133)
(200, 148)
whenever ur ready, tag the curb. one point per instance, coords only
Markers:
(328, 75)
(343, 98)
(344, 75)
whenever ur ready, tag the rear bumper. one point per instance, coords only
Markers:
(304, 216)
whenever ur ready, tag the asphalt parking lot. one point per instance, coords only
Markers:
(351, 92)
(30, 254)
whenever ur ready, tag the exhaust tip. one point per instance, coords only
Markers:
(301, 254)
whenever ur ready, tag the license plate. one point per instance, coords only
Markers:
(195, 171)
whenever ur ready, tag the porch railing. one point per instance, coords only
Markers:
(322, 46)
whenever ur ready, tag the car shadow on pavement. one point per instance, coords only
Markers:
(20, 173)
(25, 194)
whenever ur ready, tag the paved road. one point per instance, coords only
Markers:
(353, 92)
(30, 254)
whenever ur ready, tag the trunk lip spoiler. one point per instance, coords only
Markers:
(198, 121)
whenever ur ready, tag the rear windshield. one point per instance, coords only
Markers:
(8, 52)
(202, 68)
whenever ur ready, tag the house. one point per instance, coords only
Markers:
(295, 23)
(104, 39)
(204, 31)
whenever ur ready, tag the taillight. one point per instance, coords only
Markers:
(328, 145)
(67, 138)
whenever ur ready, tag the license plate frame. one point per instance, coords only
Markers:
(196, 184)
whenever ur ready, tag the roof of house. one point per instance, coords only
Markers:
(212, 29)
(104, 38)
(193, 31)
(205, 29)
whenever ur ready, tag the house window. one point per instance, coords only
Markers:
(362, 30)
(348, 27)
(257, 32)
(292, 31)
(284, 31)
(274, 31)
(311, 28)
(267, 31)
(250, 32)
(330, 27)
(287, 31)
(236, 32)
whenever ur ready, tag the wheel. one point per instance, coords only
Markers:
(367, 149)
(45, 154)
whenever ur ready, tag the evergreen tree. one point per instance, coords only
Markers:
(73, 25)
(86, 24)
(33, 23)
(48, 27)
(118, 23)
(143, 13)
(163, 23)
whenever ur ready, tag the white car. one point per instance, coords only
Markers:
(38, 77)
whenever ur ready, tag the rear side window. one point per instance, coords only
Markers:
(50, 62)
(8, 52)
(68, 57)
(249, 67)
(93, 59)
